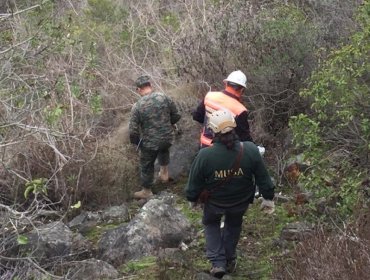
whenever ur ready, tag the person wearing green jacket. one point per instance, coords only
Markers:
(229, 170)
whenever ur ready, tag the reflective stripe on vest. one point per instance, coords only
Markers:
(216, 100)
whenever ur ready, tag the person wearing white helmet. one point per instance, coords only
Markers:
(229, 98)
(223, 178)
(237, 77)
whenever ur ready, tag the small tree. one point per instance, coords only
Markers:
(335, 134)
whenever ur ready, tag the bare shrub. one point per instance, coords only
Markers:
(56, 104)
(69, 69)
(329, 256)
(15, 222)
(334, 18)
(110, 178)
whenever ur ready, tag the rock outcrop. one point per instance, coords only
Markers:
(158, 225)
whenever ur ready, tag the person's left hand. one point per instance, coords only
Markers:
(196, 205)
(192, 204)
(267, 206)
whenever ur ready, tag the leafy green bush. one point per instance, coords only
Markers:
(70, 66)
(335, 134)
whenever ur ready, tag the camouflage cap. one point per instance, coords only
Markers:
(142, 80)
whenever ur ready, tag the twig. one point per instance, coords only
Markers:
(9, 209)
(43, 270)
(19, 176)
(16, 45)
(4, 16)
(11, 143)
(73, 8)
(70, 99)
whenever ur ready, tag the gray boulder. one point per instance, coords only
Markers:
(92, 269)
(297, 231)
(158, 225)
(117, 214)
(87, 221)
(54, 240)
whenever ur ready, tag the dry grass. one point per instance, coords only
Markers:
(110, 177)
(329, 256)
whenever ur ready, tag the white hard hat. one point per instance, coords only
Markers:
(237, 77)
(221, 121)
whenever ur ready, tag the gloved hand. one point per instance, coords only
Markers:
(268, 206)
(192, 204)
(196, 205)
(261, 149)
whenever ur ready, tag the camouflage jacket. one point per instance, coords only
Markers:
(151, 121)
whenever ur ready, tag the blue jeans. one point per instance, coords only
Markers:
(221, 243)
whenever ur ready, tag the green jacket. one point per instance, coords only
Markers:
(152, 117)
(214, 163)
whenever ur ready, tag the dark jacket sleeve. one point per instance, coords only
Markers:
(262, 177)
(242, 127)
(196, 181)
(199, 112)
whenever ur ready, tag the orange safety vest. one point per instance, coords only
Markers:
(213, 101)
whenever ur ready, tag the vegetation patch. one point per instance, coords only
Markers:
(96, 233)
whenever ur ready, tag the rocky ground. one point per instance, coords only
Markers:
(260, 248)
(140, 240)
(161, 238)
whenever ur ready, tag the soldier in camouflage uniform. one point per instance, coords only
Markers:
(151, 130)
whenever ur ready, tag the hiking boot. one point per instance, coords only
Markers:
(163, 174)
(143, 194)
(217, 272)
(231, 266)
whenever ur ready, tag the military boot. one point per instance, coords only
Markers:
(143, 194)
(163, 174)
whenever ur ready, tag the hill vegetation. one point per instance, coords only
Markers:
(66, 89)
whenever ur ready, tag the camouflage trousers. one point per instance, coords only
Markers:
(147, 160)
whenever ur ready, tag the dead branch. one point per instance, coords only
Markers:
(5, 16)
(16, 45)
